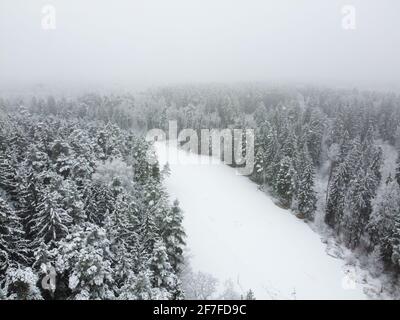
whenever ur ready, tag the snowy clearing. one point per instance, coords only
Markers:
(236, 232)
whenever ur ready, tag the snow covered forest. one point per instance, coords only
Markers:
(319, 152)
(82, 193)
(81, 200)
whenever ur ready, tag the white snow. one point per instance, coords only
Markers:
(236, 232)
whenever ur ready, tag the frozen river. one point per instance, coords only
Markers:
(236, 232)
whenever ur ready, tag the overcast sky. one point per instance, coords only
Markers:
(145, 42)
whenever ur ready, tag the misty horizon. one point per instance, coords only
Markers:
(133, 45)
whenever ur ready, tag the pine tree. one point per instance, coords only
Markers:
(173, 235)
(289, 147)
(99, 202)
(395, 241)
(147, 229)
(382, 224)
(138, 287)
(21, 284)
(259, 165)
(304, 193)
(314, 135)
(28, 197)
(358, 207)
(335, 199)
(8, 175)
(84, 259)
(13, 246)
(72, 201)
(267, 157)
(339, 182)
(51, 221)
(163, 276)
(284, 181)
(121, 226)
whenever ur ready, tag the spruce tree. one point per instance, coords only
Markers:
(284, 181)
(8, 175)
(173, 235)
(358, 207)
(304, 193)
(382, 225)
(13, 246)
(163, 276)
(83, 258)
(339, 182)
(50, 221)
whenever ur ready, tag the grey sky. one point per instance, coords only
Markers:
(132, 42)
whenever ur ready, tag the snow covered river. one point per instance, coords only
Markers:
(236, 232)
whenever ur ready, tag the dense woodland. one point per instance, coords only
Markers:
(81, 198)
(78, 190)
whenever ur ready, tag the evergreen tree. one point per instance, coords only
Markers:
(21, 284)
(304, 193)
(284, 181)
(84, 258)
(395, 241)
(314, 135)
(163, 276)
(358, 207)
(99, 202)
(138, 287)
(382, 224)
(173, 235)
(8, 174)
(51, 221)
(13, 246)
(339, 182)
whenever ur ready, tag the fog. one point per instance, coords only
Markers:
(133, 43)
